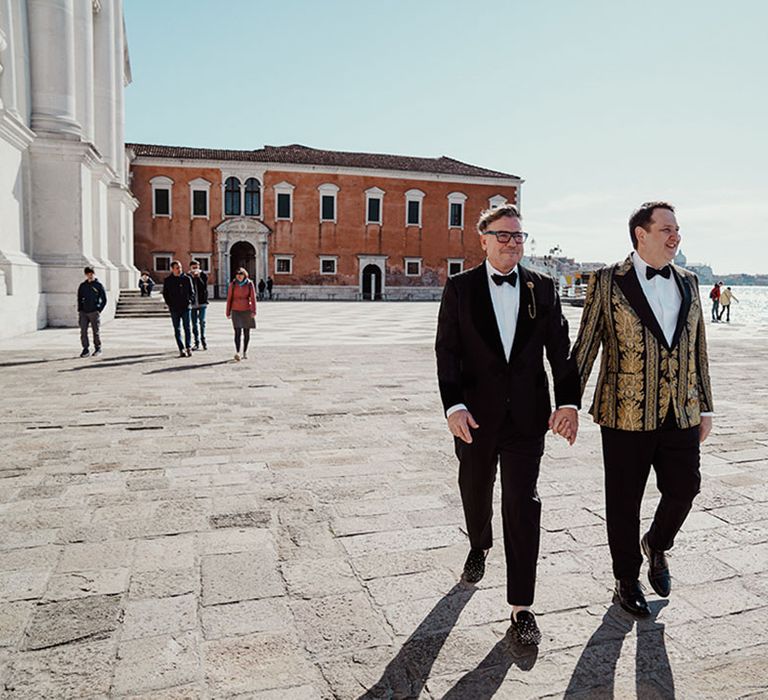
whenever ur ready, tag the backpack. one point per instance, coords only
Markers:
(713, 294)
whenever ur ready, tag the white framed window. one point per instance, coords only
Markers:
(374, 206)
(455, 266)
(284, 201)
(497, 201)
(329, 264)
(162, 188)
(328, 192)
(413, 206)
(252, 197)
(204, 259)
(199, 198)
(456, 202)
(283, 264)
(232, 196)
(161, 262)
(413, 267)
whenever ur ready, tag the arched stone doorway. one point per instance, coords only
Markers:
(242, 254)
(231, 234)
(372, 282)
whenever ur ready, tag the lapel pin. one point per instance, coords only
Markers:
(532, 306)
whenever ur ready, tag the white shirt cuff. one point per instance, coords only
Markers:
(708, 413)
(453, 409)
(569, 405)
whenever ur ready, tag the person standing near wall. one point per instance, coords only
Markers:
(91, 300)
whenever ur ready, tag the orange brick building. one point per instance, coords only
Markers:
(322, 224)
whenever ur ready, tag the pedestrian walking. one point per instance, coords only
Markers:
(200, 305)
(262, 287)
(91, 300)
(179, 296)
(241, 308)
(146, 284)
(714, 295)
(726, 296)
(270, 284)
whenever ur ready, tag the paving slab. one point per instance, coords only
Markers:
(290, 526)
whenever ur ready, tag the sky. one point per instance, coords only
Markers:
(597, 105)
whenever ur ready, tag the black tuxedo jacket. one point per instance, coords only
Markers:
(472, 368)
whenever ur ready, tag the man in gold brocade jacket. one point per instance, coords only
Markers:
(653, 399)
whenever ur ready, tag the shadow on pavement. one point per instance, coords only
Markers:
(595, 671)
(118, 361)
(407, 674)
(183, 368)
(486, 678)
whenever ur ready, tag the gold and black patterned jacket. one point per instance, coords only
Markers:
(641, 375)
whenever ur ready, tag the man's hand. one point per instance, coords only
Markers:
(565, 422)
(705, 428)
(459, 423)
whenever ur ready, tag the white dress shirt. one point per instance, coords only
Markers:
(663, 297)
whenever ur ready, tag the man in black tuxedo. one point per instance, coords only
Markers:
(495, 323)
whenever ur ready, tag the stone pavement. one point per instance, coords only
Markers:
(290, 527)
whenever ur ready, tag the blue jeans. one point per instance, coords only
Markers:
(198, 316)
(179, 317)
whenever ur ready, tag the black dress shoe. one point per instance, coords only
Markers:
(630, 597)
(658, 569)
(474, 567)
(526, 629)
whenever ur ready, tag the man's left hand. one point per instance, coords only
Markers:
(705, 428)
(565, 422)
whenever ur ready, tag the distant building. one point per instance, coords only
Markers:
(64, 197)
(323, 224)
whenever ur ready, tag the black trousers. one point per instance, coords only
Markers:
(628, 457)
(520, 457)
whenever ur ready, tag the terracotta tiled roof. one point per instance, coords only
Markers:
(303, 155)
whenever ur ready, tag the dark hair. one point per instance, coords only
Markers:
(490, 215)
(88, 270)
(174, 263)
(194, 262)
(642, 217)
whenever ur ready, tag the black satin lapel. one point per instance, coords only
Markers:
(630, 285)
(526, 314)
(685, 306)
(483, 314)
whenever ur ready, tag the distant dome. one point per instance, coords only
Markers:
(680, 258)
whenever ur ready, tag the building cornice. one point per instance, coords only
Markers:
(14, 131)
(260, 167)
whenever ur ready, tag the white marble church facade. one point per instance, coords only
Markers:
(64, 196)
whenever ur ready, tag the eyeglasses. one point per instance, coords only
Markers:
(507, 236)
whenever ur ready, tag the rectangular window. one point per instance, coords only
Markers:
(374, 211)
(283, 266)
(412, 268)
(456, 214)
(414, 212)
(162, 202)
(328, 208)
(283, 205)
(455, 267)
(162, 263)
(205, 262)
(328, 266)
(199, 203)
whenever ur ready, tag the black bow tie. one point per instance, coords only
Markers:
(651, 272)
(500, 279)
